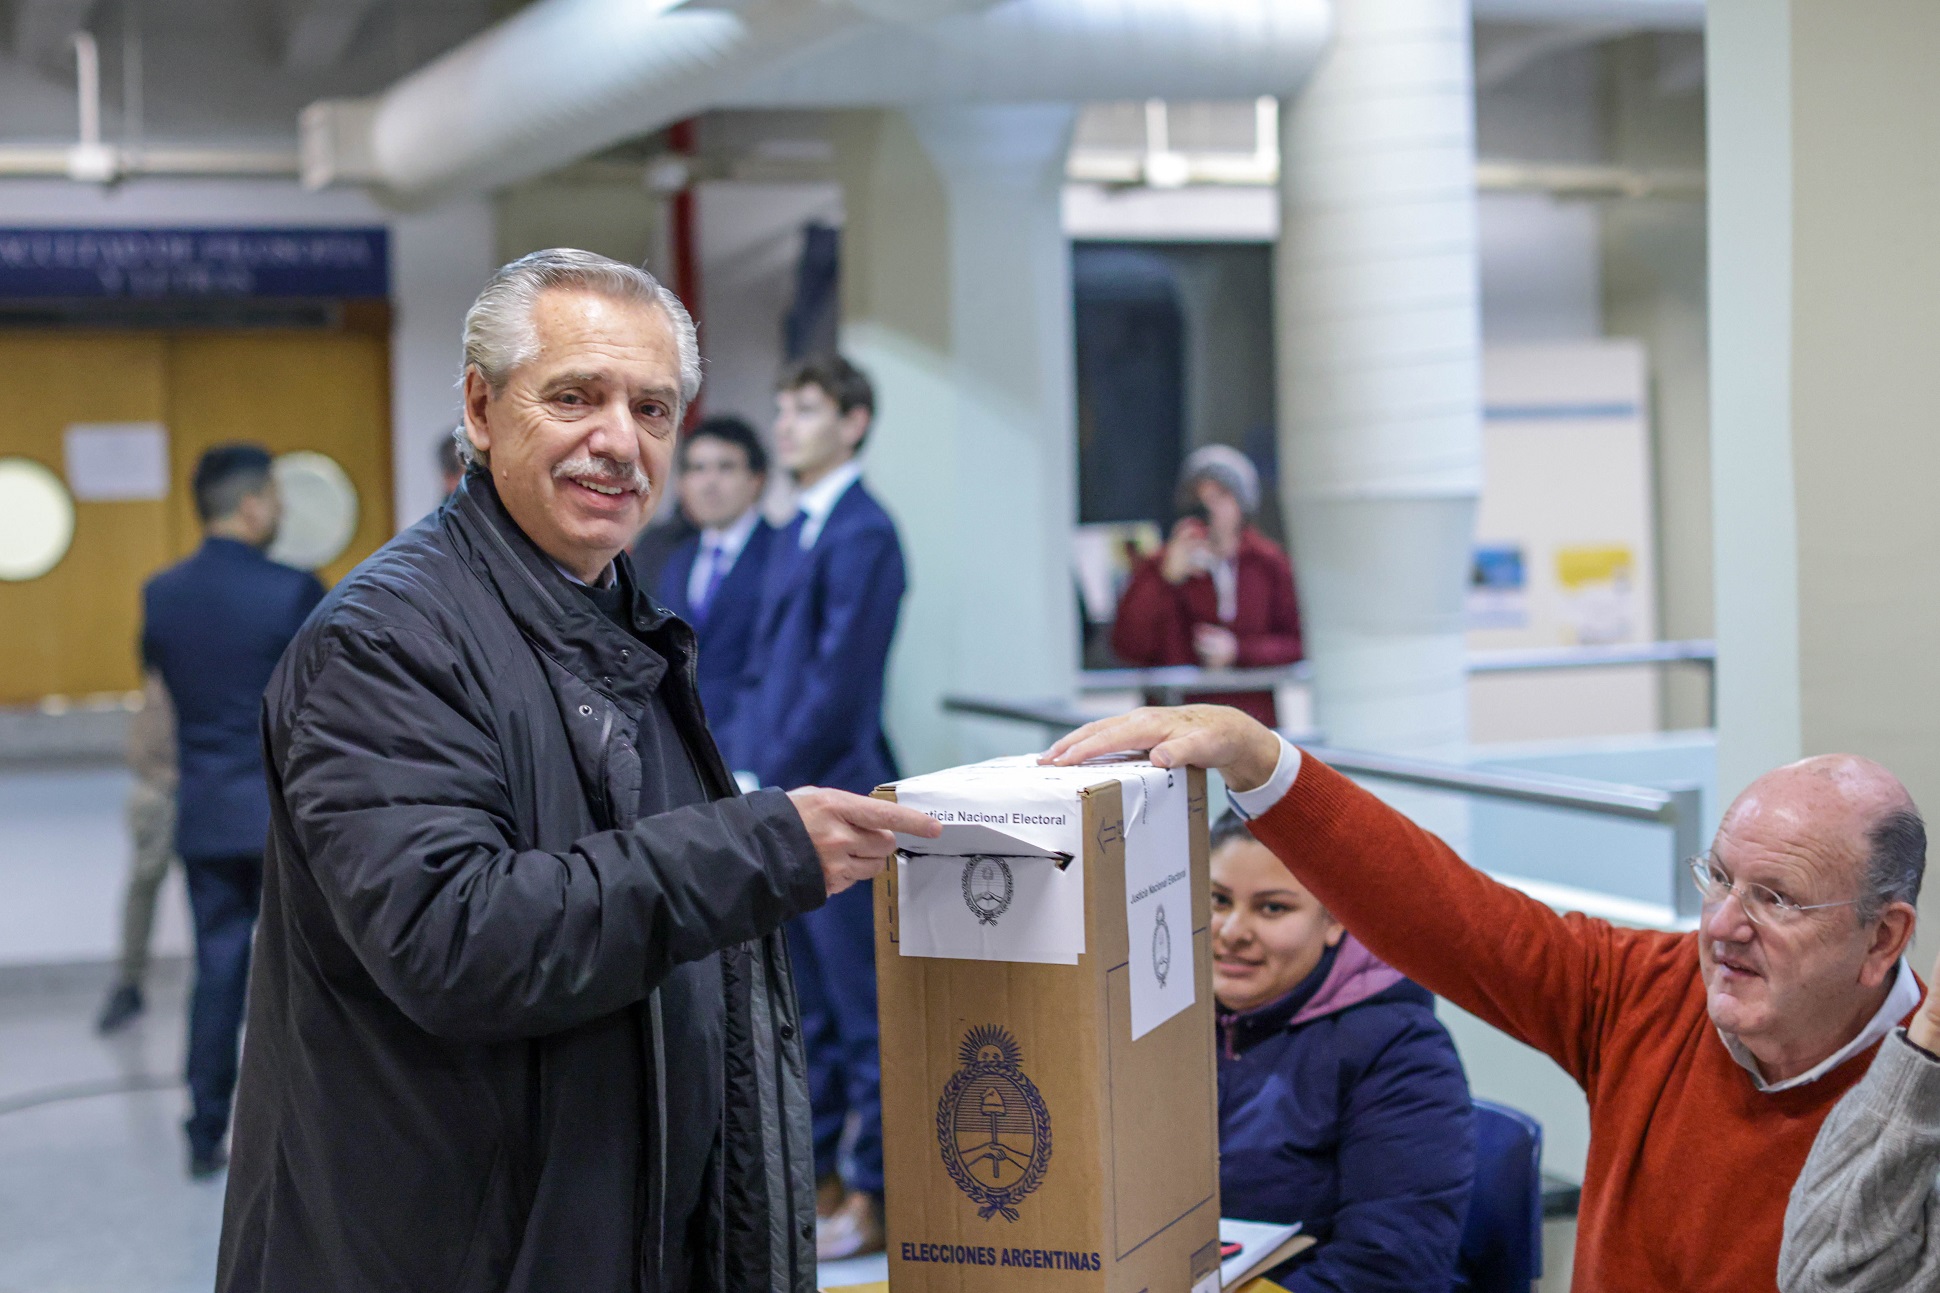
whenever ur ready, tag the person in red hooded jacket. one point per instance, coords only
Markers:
(1220, 593)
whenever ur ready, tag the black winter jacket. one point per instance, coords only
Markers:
(497, 1018)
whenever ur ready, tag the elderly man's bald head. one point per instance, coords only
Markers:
(1850, 815)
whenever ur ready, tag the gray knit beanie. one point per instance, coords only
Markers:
(1227, 465)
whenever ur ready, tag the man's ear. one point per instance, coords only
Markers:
(854, 426)
(477, 395)
(1892, 932)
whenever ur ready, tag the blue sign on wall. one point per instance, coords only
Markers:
(194, 264)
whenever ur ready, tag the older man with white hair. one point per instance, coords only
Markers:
(520, 1016)
(1709, 1058)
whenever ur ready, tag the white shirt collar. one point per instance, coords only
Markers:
(819, 499)
(1905, 995)
(731, 538)
(606, 576)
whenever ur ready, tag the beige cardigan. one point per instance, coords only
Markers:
(1865, 1213)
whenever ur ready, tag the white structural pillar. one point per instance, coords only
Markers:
(1379, 343)
(1825, 320)
(957, 300)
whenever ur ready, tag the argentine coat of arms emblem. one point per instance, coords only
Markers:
(1161, 948)
(991, 1124)
(987, 888)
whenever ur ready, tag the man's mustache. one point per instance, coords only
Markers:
(590, 470)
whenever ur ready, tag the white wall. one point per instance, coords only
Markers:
(750, 244)
(1541, 277)
(439, 260)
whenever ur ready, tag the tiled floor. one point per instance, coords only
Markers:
(94, 1197)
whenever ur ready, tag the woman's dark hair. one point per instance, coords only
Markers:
(1230, 826)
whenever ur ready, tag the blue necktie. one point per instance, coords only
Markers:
(716, 572)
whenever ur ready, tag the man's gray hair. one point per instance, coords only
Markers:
(1896, 861)
(499, 335)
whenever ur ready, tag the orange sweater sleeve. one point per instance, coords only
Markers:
(1551, 981)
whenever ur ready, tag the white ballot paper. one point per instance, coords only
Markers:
(1005, 882)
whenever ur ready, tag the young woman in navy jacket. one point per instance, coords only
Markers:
(1342, 1104)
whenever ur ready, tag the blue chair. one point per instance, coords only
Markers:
(1502, 1243)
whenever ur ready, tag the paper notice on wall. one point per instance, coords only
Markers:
(1158, 895)
(1597, 584)
(1498, 588)
(116, 462)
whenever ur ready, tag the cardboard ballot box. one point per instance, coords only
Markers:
(1049, 1089)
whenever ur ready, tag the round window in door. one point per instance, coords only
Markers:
(36, 519)
(319, 510)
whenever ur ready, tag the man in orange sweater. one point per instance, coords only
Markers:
(1709, 1058)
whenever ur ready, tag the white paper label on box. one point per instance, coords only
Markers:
(990, 908)
(1004, 882)
(116, 462)
(1158, 895)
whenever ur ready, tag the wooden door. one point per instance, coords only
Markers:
(73, 630)
(323, 391)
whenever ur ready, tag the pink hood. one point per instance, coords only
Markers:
(1357, 975)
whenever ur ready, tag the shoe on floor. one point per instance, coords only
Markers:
(855, 1229)
(206, 1163)
(122, 1005)
(829, 1196)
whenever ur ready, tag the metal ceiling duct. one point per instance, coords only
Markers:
(1061, 51)
(564, 78)
(558, 80)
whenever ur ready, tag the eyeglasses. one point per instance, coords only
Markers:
(1762, 906)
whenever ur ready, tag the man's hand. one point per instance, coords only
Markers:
(1202, 736)
(1924, 1031)
(855, 836)
(1218, 648)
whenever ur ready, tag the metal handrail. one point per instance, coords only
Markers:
(1679, 807)
(1692, 650)
(1183, 678)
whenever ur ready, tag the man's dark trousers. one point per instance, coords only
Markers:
(224, 894)
(214, 627)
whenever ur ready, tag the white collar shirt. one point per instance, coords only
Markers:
(1905, 995)
(726, 542)
(819, 499)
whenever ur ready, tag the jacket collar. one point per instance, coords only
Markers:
(221, 545)
(556, 617)
(1242, 1029)
(1347, 975)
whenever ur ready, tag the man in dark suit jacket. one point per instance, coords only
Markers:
(809, 710)
(713, 579)
(214, 627)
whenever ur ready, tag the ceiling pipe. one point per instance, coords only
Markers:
(557, 80)
(508, 105)
(1061, 51)
(90, 160)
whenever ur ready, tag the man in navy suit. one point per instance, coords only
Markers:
(809, 711)
(214, 627)
(713, 578)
